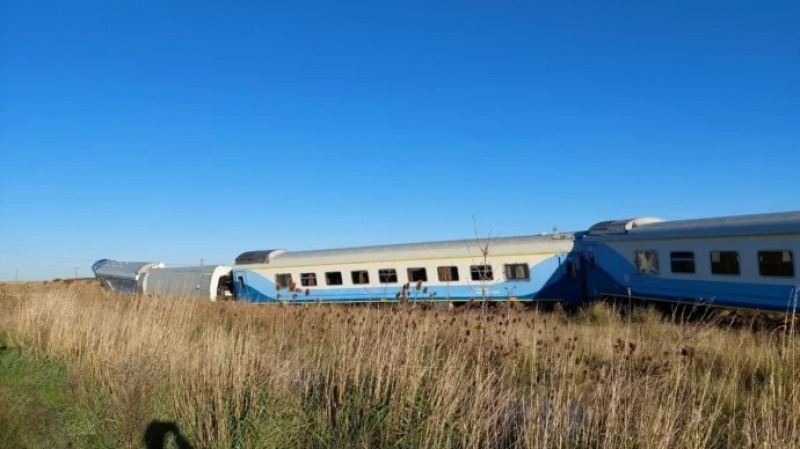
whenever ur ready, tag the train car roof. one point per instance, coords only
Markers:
(466, 248)
(196, 269)
(106, 268)
(772, 223)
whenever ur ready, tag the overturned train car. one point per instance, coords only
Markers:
(211, 282)
(123, 277)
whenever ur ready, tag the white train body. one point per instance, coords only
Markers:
(203, 282)
(745, 261)
(496, 269)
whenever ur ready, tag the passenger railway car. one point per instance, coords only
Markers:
(744, 261)
(203, 282)
(510, 268)
(123, 277)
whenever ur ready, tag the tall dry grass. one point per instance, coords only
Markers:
(241, 375)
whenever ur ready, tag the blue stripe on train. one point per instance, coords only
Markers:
(609, 278)
(547, 282)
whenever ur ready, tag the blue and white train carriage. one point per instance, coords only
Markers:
(516, 268)
(742, 261)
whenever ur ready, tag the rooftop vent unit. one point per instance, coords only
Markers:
(256, 257)
(612, 227)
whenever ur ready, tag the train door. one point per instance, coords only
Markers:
(589, 272)
(240, 285)
(572, 284)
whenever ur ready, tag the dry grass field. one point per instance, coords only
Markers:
(232, 375)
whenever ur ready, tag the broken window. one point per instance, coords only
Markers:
(646, 261)
(447, 274)
(417, 275)
(481, 272)
(387, 275)
(360, 277)
(308, 279)
(517, 272)
(283, 280)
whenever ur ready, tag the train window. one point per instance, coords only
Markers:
(387, 275)
(646, 261)
(333, 278)
(682, 261)
(283, 280)
(360, 277)
(417, 275)
(725, 262)
(308, 279)
(447, 274)
(517, 272)
(241, 281)
(481, 272)
(776, 263)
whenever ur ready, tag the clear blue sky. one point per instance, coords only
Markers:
(175, 130)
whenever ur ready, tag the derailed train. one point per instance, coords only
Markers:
(206, 282)
(740, 261)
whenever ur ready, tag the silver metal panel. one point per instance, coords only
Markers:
(191, 282)
(499, 246)
(106, 268)
(742, 225)
(621, 226)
